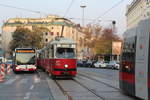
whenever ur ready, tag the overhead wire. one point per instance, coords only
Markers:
(67, 10)
(19, 8)
(107, 11)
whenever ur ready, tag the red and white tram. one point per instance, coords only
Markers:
(58, 58)
(135, 61)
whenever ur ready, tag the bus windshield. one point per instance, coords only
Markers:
(25, 58)
(65, 53)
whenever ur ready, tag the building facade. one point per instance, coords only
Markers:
(52, 22)
(136, 11)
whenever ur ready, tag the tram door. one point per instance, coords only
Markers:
(141, 70)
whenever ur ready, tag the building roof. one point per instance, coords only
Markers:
(55, 20)
(62, 40)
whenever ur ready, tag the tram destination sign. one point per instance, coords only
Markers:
(25, 51)
(66, 45)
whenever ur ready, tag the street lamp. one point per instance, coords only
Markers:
(113, 31)
(83, 6)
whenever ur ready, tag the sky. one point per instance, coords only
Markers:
(93, 10)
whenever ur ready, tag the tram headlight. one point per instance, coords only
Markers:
(66, 66)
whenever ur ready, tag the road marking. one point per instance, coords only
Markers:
(27, 96)
(9, 81)
(23, 81)
(31, 88)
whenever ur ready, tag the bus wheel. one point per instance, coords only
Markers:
(15, 72)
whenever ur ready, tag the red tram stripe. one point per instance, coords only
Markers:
(149, 82)
(130, 78)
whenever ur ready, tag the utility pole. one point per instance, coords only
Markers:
(83, 6)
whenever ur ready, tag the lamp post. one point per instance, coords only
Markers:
(83, 6)
(113, 31)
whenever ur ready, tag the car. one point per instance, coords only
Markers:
(86, 63)
(9, 62)
(93, 62)
(113, 65)
(100, 64)
(79, 63)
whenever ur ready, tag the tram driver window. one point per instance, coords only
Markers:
(65, 53)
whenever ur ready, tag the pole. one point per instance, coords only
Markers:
(83, 6)
(83, 18)
(113, 31)
(62, 30)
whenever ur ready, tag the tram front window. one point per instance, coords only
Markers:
(65, 53)
(25, 58)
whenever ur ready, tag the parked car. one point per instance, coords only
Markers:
(93, 62)
(79, 63)
(87, 63)
(9, 62)
(99, 64)
(113, 65)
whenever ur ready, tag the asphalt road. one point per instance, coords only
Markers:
(24, 86)
(109, 74)
(97, 84)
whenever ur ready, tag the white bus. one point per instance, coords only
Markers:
(24, 59)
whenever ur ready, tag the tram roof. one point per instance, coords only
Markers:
(62, 40)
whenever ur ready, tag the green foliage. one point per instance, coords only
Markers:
(23, 37)
(100, 40)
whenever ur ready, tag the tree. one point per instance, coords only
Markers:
(23, 37)
(104, 44)
(20, 38)
(99, 39)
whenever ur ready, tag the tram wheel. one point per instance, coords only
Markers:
(53, 76)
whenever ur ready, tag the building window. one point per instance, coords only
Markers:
(57, 33)
(52, 27)
(52, 33)
(46, 40)
(46, 33)
(72, 31)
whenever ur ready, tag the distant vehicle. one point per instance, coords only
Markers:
(113, 65)
(9, 62)
(79, 63)
(100, 64)
(24, 60)
(88, 63)
(58, 58)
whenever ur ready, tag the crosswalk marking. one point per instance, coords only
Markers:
(23, 81)
(10, 81)
(31, 88)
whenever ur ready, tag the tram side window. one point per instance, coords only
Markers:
(50, 52)
(129, 50)
(128, 55)
(40, 55)
(47, 54)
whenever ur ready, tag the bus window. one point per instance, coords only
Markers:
(25, 58)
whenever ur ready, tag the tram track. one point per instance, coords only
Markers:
(98, 81)
(91, 90)
(62, 89)
(49, 89)
(82, 85)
